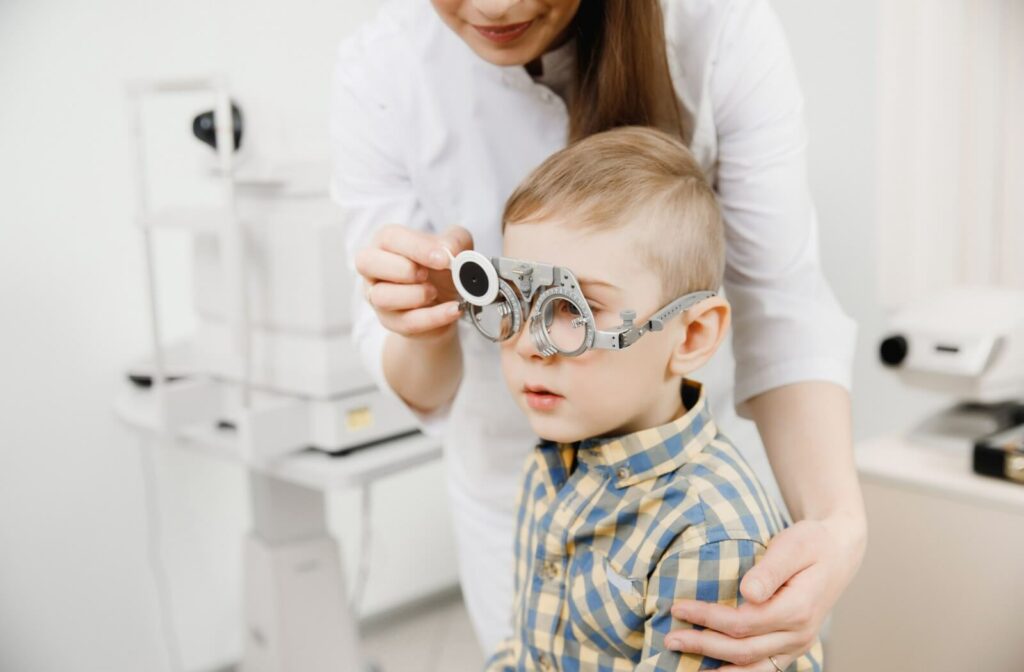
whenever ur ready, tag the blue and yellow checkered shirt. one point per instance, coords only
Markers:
(612, 531)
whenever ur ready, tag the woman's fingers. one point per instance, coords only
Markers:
(407, 278)
(790, 552)
(379, 265)
(790, 609)
(747, 620)
(394, 297)
(457, 239)
(765, 665)
(741, 652)
(426, 249)
(421, 321)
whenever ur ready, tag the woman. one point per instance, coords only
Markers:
(441, 109)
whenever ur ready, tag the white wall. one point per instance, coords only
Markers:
(953, 97)
(834, 45)
(75, 588)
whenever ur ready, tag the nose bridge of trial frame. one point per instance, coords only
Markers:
(532, 278)
(528, 278)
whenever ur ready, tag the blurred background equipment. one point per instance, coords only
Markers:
(270, 380)
(934, 522)
(966, 344)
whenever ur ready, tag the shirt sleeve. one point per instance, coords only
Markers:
(370, 180)
(788, 325)
(711, 573)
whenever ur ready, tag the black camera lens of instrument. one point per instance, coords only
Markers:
(473, 279)
(204, 129)
(893, 350)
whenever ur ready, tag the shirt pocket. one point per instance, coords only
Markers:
(606, 607)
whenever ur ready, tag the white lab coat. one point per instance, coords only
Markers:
(426, 134)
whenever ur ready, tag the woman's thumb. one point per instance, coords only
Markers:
(457, 239)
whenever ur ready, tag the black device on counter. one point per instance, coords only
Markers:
(1001, 455)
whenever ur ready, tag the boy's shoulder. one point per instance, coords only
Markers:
(726, 500)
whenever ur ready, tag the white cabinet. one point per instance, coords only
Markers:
(942, 584)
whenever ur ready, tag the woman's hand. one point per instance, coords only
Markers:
(788, 594)
(407, 281)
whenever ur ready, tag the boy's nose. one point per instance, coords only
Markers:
(523, 343)
(494, 9)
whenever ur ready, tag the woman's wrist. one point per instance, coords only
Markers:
(850, 530)
(425, 371)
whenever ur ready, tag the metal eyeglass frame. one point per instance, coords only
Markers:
(520, 282)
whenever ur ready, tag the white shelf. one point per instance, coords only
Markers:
(328, 472)
(310, 468)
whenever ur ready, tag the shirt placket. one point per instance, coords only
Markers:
(550, 563)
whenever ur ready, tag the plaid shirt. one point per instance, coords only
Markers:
(611, 532)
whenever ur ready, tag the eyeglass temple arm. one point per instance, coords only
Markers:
(630, 332)
(657, 321)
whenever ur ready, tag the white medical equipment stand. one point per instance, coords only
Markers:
(297, 617)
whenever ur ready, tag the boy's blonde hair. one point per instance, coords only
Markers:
(639, 178)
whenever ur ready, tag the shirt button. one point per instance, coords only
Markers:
(622, 473)
(544, 661)
(553, 569)
(550, 570)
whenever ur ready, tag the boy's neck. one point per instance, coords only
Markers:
(671, 408)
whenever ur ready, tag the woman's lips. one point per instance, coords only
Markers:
(503, 34)
(540, 399)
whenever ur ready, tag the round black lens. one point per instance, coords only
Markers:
(473, 279)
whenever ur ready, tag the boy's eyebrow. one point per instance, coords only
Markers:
(589, 282)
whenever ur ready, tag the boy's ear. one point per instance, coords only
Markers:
(704, 327)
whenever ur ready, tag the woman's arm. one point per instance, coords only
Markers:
(795, 421)
(424, 372)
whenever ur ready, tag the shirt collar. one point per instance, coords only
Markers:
(648, 453)
(559, 67)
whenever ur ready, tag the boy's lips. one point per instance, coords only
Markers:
(540, 398)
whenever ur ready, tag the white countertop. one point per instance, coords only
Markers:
(897, 460)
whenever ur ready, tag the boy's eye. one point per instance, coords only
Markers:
(567, 308)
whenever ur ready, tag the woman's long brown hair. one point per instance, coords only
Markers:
(623, 76)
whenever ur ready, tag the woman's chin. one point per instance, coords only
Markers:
(502, 56)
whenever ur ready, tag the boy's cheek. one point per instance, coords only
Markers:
(606, 392)
(508, 369)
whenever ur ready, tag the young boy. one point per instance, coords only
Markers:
(633, 499)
